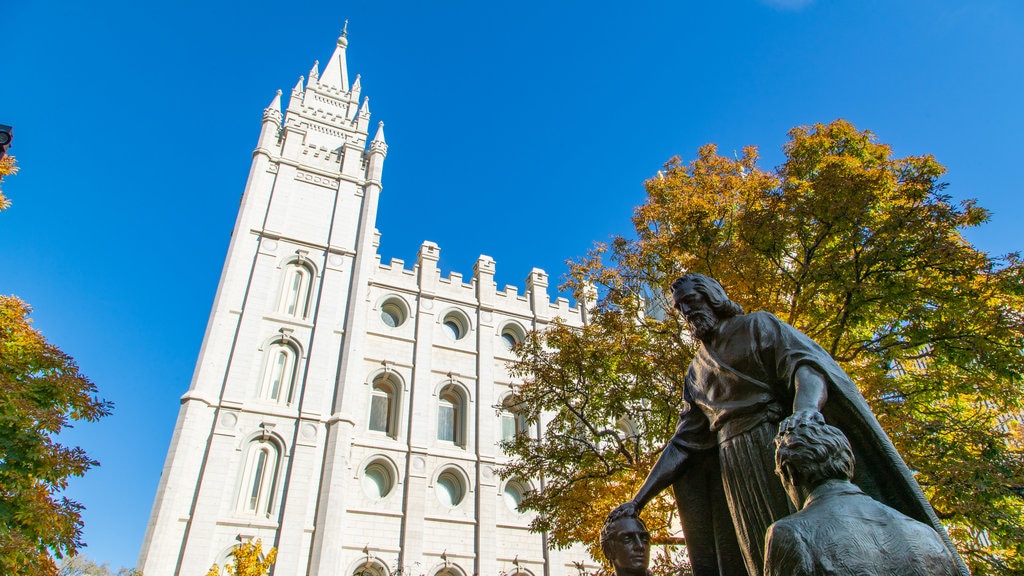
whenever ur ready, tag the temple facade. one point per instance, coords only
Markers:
(345, 411)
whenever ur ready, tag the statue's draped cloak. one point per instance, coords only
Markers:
(734, 398)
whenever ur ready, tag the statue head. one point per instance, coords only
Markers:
(626, 544)
(809, 455)
(702, 302)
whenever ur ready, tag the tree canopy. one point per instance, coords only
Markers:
(862, 251)
(79, 565)
(41, 392)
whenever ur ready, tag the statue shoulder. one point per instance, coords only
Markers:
(760, 320)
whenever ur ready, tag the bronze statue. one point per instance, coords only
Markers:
(840, 530)
(626, 544)
(750, 372)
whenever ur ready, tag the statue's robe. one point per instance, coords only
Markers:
(738, 388)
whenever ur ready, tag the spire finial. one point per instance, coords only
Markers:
(344, 29)
(378, 143)
(273, 110)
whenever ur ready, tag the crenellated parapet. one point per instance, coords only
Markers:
(478, 291)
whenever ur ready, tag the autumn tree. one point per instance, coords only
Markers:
(41, 392)
(862, 251)
(79, 565)
(248, 560)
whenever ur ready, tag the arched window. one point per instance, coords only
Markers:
(296, 290)
(279, 373)
(451, 415)
(259, 478)
(513, 420)
(371, 568)
(384, 405)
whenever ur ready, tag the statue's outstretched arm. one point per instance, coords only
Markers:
(669, 467)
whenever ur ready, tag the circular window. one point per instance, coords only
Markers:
(513, 495)
(392, 312)
(449, 488)
(377, 480)
(455, 325)
(512, 334)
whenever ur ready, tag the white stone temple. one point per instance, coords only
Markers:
(345, 411)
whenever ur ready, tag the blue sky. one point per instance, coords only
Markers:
(521, 130)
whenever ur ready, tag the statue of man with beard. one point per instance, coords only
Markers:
(750, 372)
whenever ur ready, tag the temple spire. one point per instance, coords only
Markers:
(275, 104)
(378, 138)
(336, 70)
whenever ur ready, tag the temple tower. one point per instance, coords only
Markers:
(346, 412)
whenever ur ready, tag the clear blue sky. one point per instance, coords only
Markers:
(522, 130)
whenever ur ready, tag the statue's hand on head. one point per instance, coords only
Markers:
(801, 418)
(630, 509)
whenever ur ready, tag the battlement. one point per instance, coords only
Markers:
(480, 290)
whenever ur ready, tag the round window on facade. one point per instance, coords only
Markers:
(378, 480)
(513, 495)
(511, 335)
(450, 488)
(393, 313)
(455, 325)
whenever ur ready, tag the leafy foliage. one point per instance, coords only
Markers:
(248, 560)
(863, 252)
(41, 391)
(79, 565)
(7, 168)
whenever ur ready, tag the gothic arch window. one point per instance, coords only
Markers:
(451, 414)
(513, 419)
(384, 396)
(296, 289)
(259, 477)
(279, 372)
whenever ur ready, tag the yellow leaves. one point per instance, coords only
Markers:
(248, 559)
(7, 168)
(862, 251)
